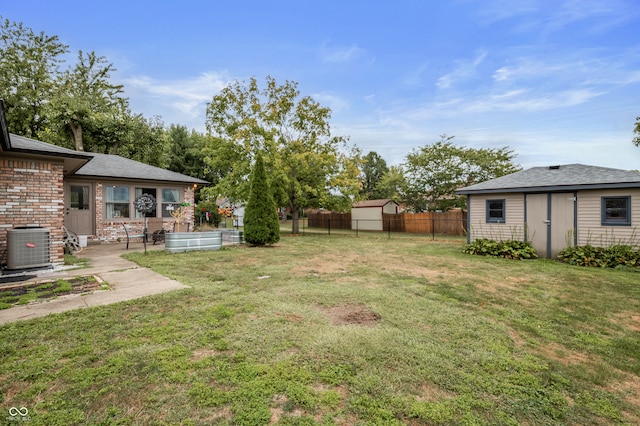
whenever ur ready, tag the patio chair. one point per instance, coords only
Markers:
(155, 232)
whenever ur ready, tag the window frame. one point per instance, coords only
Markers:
(107, 202)
(608, 221)
(151, 190)
(488, 210)
(165, 213)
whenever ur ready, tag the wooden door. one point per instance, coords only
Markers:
(79, 208)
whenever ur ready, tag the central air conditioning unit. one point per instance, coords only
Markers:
(28, 247)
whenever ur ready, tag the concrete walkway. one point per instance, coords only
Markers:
(126, 279)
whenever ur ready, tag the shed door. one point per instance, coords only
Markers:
(537, 226)
(551, 222)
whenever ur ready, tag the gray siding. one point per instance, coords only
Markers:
(590, 229)
(513, 228)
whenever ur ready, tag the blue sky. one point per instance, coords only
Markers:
(557, 81)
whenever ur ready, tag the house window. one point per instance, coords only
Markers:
(150, 191)
(616, 211)
(170, 201)
(117, 202)
(495, 211)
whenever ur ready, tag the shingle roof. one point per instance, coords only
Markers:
(114, 166)
(558, 178)
(32, 146)
(373, 203)
(101, 165)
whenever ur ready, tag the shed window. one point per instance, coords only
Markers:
(616, 211)
(495, 211)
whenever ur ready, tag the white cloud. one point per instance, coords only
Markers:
(334, 102)
(339, 54)
(463, 70)
(177, 101)
(496, 10)
(609, 14)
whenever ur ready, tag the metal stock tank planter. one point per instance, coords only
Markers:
(177, 242)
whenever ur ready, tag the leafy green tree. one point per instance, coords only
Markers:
(308, 166)
(261, 225)
(28, 70)
(636, 139)
(435, 172)
(373, 169)
(392, 185)
(85, 95)
(185, 153)
(144, 140)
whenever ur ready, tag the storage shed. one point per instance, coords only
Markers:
(367, 215)
(556, 207)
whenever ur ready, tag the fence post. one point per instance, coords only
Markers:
(433, 229)
(357, 227)
(329, 227)
(389, 228)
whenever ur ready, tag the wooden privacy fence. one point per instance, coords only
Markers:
(328, 220)
(453, 222)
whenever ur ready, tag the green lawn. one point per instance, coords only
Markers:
(340, 330)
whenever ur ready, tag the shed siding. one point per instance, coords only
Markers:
(390, 208)
(513, 228)
(367, 218)
(590, 230)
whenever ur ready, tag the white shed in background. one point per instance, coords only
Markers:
(367, 215)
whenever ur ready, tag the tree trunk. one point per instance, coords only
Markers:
(295, 226)
(76, 130)
(293, 203)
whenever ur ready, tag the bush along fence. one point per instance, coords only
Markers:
(452, 223)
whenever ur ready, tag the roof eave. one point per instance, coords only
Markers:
(555, 188)
(195, 181)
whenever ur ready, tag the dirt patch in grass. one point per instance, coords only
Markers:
(351, 314)
(331, 264)
(431, 392)
(630, 390)
(21, 294)
(552, 351)
(630, 320)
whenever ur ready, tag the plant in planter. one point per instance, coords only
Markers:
(179, 214)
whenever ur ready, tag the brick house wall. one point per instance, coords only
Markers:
(32, 193)
(111, 231)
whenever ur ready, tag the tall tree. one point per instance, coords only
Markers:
(85, 93)
(373, 169)
(143, 139)
(28, 69)
(261, 225)
(392, 184)
(636, 131)
(309, 167)
(434, 172)
(185, 152)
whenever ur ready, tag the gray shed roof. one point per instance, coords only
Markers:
(100, 165)
(566, 177)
